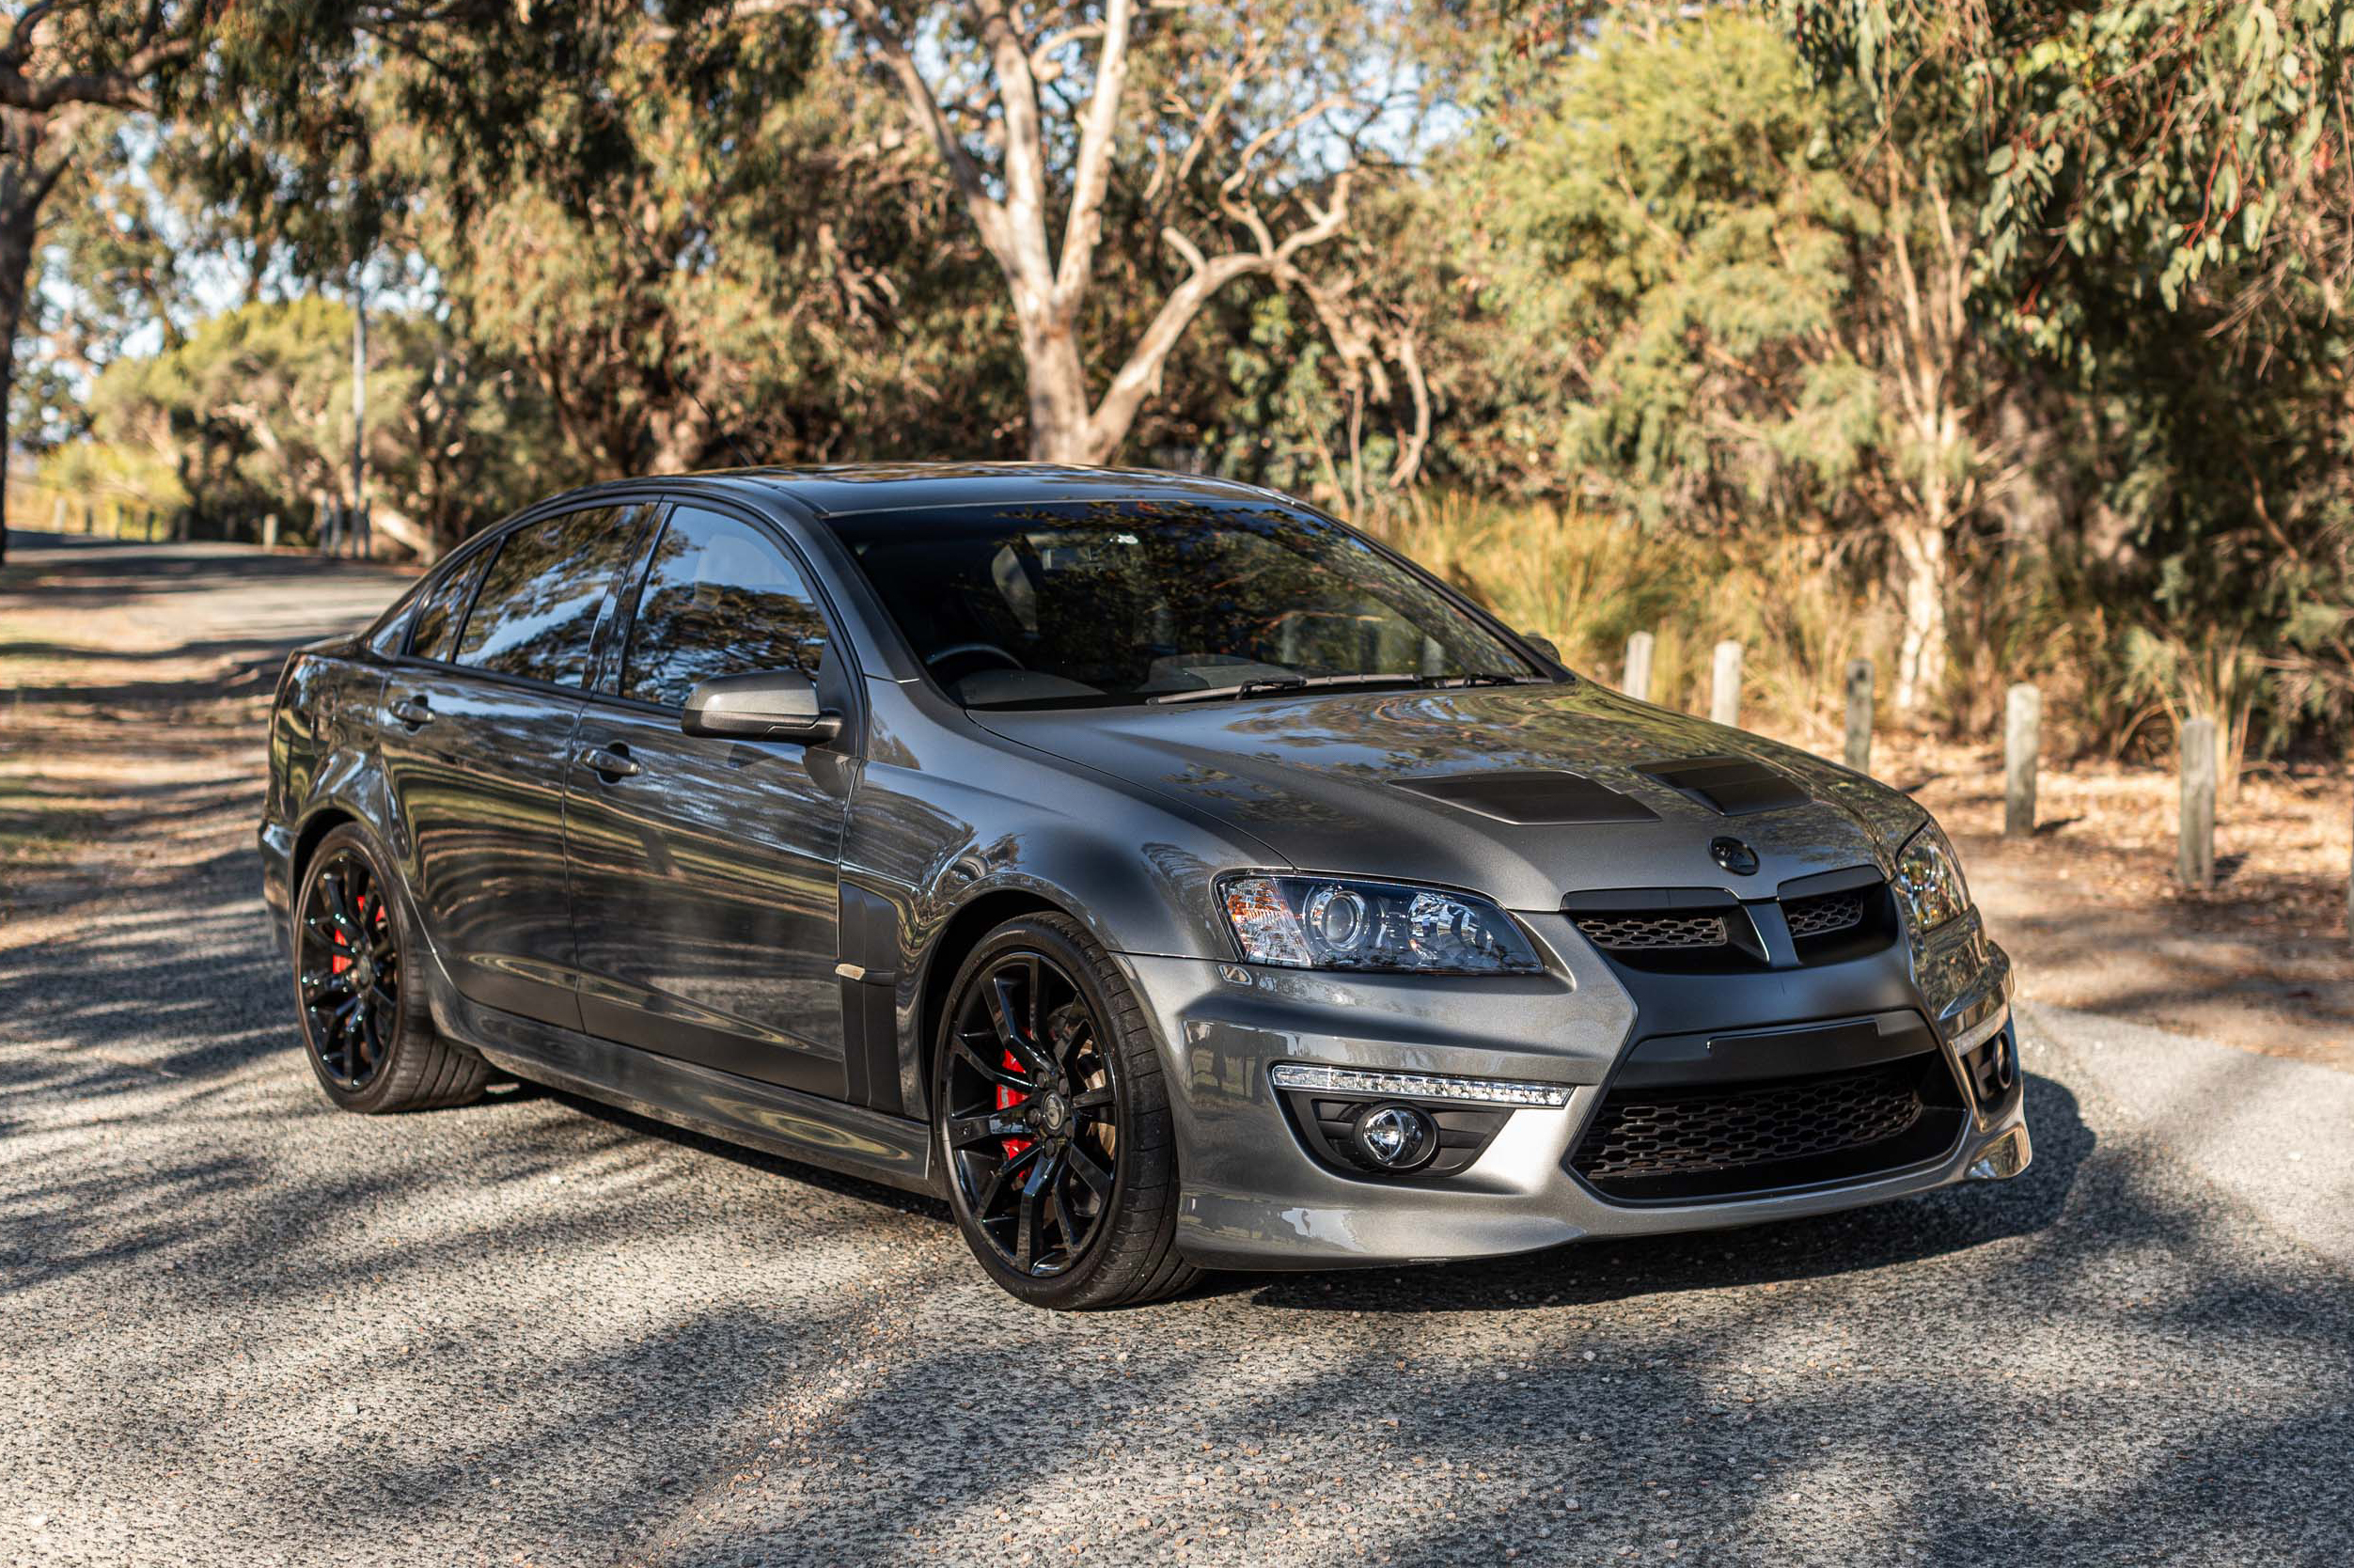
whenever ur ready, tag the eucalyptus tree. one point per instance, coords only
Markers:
(1240, 131)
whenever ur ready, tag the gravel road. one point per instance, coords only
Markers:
(241, 1328)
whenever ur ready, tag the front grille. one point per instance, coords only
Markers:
(1824, 914)
(1653, 932)
(1720, 1140)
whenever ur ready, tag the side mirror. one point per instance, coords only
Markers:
(1543, 644)
(764, 705)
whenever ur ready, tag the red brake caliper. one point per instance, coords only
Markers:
(337, 964)
(1008, 1097)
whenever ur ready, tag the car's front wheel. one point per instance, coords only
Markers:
(1052, 1120)
(367, 1027)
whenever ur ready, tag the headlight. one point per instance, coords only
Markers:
(1929, 881)
(1306, 922)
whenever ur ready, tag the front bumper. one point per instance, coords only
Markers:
(1253, 1197)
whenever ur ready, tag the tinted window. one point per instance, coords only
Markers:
(392, 627)
(537, 613)
(1076, 603)
(720, 599)
(436, 628)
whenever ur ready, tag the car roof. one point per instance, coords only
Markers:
(839, 490)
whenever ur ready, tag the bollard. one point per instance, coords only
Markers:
(1635, 679)
(270, 531)
(2196, 859)
(1724, 698)
(2022, 726)
(1860, 715)
(57, 515)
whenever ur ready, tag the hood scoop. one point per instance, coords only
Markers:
(1729, 786)
(1532, 797)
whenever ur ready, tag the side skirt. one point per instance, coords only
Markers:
(848, 1138)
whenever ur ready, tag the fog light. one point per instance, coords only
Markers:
(1393, 1137)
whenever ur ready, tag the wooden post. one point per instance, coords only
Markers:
(1859, 755)
(2022, 727)
(1635, 679)
(2196, 860)
(57, 514)
(1724, 698)
(270, 531)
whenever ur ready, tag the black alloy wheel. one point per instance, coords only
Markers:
(348, 970)
(1032, 1122)
(368, 1026)
(1051, 1117)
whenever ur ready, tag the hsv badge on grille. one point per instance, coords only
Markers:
(1733, 855)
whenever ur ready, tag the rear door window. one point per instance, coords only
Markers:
(543, 593)
(436, 629)
(721, 598)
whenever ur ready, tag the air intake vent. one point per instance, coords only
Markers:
(1729, 786)
(1653, 932)
(1664, 1144)
(1825, 915)
(1533, 797)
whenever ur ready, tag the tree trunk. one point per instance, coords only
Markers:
(1059, 405)
(24, 184)
(1921, 546)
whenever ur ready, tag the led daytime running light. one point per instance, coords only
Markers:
(1416, 1086)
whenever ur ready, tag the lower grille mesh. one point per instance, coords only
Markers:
(1656, 1133)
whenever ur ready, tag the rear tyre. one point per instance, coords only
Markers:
(1050, 1117)
(367, 1027)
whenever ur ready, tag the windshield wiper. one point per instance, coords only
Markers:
(1448, 683)
(1266, 684)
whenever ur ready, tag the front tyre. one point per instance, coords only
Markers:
(367, 1027)
(1051, 1119)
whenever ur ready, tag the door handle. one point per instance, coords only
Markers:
(609, 762)
(414, 711)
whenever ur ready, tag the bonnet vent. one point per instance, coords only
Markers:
(1532, 797)
(1729, 786)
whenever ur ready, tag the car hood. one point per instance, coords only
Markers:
(1524, 793)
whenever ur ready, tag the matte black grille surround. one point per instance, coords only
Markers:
(1829, 919)
(1705, 1141)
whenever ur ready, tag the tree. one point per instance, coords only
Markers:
(1743, 320)
(1259, 83)
(61, 65)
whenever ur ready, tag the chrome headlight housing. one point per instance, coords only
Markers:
(1929, 885)
(1317, 922)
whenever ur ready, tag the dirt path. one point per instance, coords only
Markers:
(133, 686)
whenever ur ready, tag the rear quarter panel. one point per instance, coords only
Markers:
(322, 727)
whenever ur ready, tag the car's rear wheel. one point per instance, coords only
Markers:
(1052, 1120)
(367, 1027)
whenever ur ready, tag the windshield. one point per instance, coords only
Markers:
(1130, 602)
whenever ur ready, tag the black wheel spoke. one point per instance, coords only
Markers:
(989, 1070)
(1002, 1178)
(1094, 1104)
(1083, 1166)
(964, 1132)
